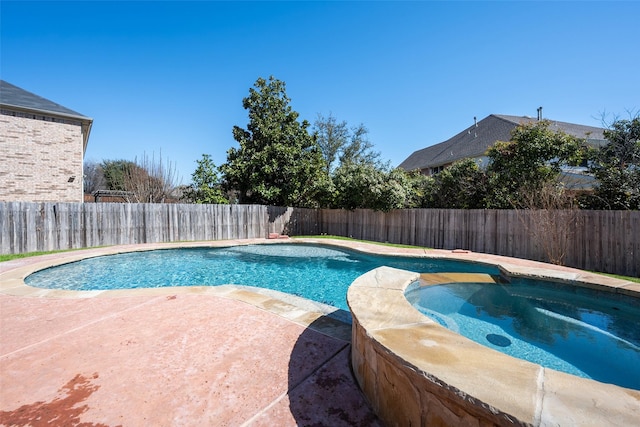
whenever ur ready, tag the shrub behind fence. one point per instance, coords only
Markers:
(607, 241)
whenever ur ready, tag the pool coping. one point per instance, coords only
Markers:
(383, 315)
(416, 372)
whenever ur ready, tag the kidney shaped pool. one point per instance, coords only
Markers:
(317, 272)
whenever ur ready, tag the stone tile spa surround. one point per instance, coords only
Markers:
(416, 372)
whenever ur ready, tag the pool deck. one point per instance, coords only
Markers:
(226, 355)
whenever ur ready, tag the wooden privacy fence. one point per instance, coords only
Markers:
(29, 227)
(607, 241)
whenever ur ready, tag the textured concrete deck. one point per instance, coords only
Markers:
(222, 355)
(170, 360)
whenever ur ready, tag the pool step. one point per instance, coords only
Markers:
(428, 279)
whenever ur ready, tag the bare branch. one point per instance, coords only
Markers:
(151, 181)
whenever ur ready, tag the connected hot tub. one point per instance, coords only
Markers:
(415, 371)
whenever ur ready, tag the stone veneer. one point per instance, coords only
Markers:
(417, 373)
(39, 156)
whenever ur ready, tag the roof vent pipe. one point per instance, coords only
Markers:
(539, 113)
(475, 121)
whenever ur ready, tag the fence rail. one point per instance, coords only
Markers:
(607, 241)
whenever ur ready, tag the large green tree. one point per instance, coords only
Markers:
(616, 166)
(532, 158)
(278, 161)
(205, 186)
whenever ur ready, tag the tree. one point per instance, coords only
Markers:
(616, 166)
(463, 185)
(144, 180)
(331, 136)
(114, 172)
(150, 181)
(366, 186)
(413, 185)
(525, 173)
(340, 144)
(402, 190)
(534, 156)
(359, 149)
(357, 186)
(278, 162)
(92, 177)
(550, 217)
(205, 186)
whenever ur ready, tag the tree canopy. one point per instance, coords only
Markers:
(278, 161)
(205, 186)
(616, 167)
(463, 185)
(532, 157)
(146, 180)
(341, 145)
(115, 172)
(331, 136)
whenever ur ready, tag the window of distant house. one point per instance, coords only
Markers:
(437, 170)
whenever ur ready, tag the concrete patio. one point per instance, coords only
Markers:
(224, 356)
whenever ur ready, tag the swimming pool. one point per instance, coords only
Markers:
(321, 273)
(588, 333)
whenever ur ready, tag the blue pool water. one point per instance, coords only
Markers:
(317, 272)
(576, 330)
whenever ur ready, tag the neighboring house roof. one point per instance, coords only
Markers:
(474, 141)
(14, 98)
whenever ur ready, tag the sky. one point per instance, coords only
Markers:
(166, 79)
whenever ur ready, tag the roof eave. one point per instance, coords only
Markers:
(46, 112)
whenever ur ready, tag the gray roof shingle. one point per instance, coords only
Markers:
(13, 96)
(474, 141)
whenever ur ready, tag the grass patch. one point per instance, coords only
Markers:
(617, 276)
(10, 257)
(325, 236)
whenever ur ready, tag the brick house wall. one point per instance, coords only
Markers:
(40, 157)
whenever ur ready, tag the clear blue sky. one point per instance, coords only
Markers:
(170, 76)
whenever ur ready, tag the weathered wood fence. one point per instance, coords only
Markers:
(607, 241)
(29, 227)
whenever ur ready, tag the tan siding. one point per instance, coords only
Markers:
(38, 158)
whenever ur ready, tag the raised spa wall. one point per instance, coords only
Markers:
(417, 373)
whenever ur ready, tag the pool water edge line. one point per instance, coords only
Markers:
(13, 273)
